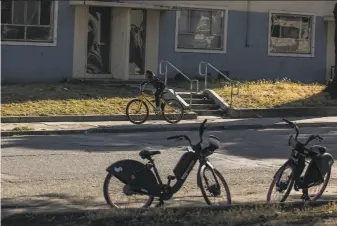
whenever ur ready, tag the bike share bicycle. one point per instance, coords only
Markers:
(317, 173)
(139, 179)
(137, 110)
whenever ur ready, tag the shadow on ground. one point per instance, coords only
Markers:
(251, 144)
(51, 200)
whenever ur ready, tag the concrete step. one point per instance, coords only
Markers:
(204, 112)
(199, 101)
(194, 95)
(205, 106)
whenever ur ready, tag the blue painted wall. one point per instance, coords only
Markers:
(243, 62)
(42, 64)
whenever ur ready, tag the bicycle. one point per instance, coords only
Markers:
(139, 179)
(317, 173)
(168, 108)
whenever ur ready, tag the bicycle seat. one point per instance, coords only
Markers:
(318, 149)
(146, 154)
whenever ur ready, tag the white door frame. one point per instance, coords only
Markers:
(330, 53)
(151, 42)
(119, 61)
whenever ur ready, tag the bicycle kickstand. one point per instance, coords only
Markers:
(305, 196)
(161, 203)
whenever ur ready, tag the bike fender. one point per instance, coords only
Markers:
(135, 173)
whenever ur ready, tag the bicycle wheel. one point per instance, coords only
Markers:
(281, 186)
(122, 195)
(137, 111)
(209, 186)
(173, 111)
(314, 192)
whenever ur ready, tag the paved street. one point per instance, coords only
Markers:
(68, 171)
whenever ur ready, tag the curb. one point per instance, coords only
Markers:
(82, 118)
(161, 128)
(282, 112)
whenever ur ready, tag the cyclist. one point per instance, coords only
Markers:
(157, 84)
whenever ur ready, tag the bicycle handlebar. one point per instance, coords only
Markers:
(293, 125)
(311, 138)
(182, 137)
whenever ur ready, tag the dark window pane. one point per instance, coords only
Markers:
(19, 12)
(12, 32)
(33, 8)
(39, 33)
(275, 31)
(45, 12)
(6, 11)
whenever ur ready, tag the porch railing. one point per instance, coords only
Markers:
(204, 74)
(163, 66)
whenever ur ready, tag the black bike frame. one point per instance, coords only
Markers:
(167, 190)
(297, 165)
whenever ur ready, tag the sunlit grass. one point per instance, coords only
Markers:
(271, 94)
(64, 99)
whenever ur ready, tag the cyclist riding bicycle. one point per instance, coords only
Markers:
(157, 84)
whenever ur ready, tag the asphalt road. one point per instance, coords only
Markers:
(50, 172)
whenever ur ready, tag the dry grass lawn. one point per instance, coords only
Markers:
(64, 99)
(94, 99)
(267, 94)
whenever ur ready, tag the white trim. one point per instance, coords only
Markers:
(29, 43)
(191, 6)
(80, 41)
(330, 30)
(152, 39)
(197, 7)
(313, 32)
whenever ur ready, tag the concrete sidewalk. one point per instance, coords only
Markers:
(215, 123)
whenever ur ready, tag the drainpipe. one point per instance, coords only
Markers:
(247, 23)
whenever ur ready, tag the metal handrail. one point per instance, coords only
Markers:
(191, 81)
(206, 71)
(222, 74)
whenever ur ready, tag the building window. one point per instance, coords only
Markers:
(27, 21)
(200, 29)
(291, 34)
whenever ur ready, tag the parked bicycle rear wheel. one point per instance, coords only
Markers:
(137, 111)
(281, 186)
(120, 197)
(315, 192)
(213, 193)
(173, 111)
